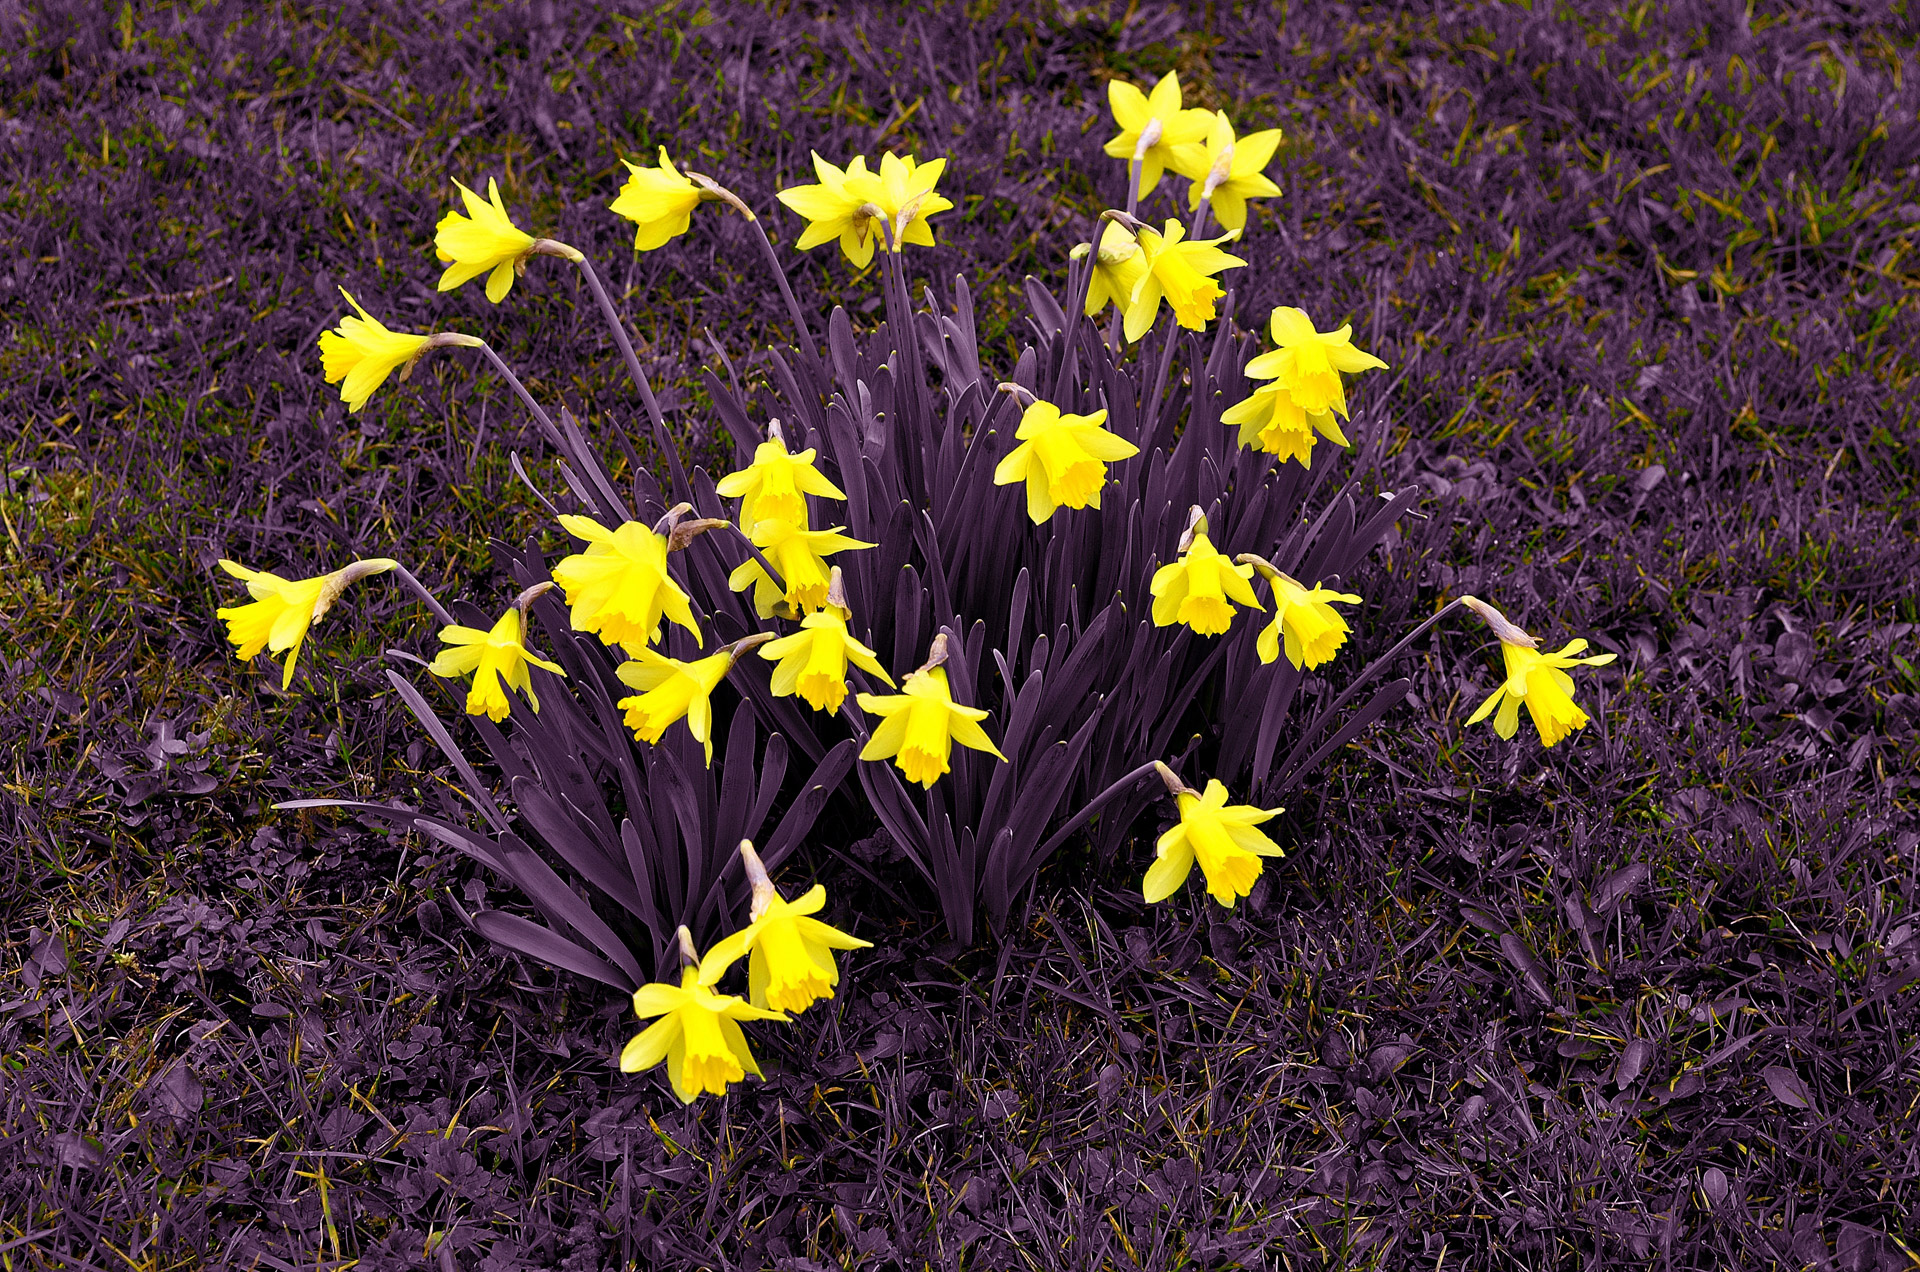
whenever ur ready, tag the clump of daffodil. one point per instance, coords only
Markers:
(919, 726)
(1220, 836)
(1154, 130)
(698, 1034)
(363, 353)
(283, 609)
(1181, 271)
(775, 485)
(1232, 172)
(1313, 629)
(619, 587)
(845, 205)
(1539, 680)
(813, 661)
(791, 963)
(1270, 420)
(486, 241)
(1062, 458)
(659, 201)
(1308, 363)
(673, 690)
(1200, 589)
(492, 657)
(1119, 267)
(800, 555)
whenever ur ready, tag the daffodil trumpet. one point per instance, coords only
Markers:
(1536, 680)
(698, 1034)
(791, 964)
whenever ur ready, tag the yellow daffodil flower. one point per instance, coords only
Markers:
(1183, 273)
(1270, 420)
(1539, 680)
(1200, 589)
(1232, 172)
(919, 726)
(791, 964)
(659, 201)
(1062, 458)
(1218, 835)
(698, 1034)
(775, 485)
(1172, 135)
(671, 690)
(813, 661)
(836, 207)
(1120, 266)
(800, 555)
(1314, 630)
(363, 353)
(485, 239)
(619, 587)
(1308, 362)
(905, 188)
(283, 609)
(492, 656)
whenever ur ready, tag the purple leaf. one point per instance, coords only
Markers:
(1787, 1087)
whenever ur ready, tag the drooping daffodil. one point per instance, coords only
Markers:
(1202, 587)
(619, 587)
(1220, 836)
(775, 485)
(1313, 629)
(283, 609)
(919, 726)
(1270, 420)
(791, 954)
(1120, 265)
(361, 353)
(846, 204)
(1536, 679)
(1233, 172)
(492, 657)
(1183, 272)
(659, 201)
(1062, 458)
(673, 690)
(1155, 130)
(1308, 363)
(813, 661)
(484, 241)
(698, 1034)
(800, 555)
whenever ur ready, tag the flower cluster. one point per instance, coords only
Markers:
(810, 600)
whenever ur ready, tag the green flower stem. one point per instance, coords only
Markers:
(433, 602)
(803, 335)
(681, 489)
(580, 453)
(1093, 806)
(1373, 669)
